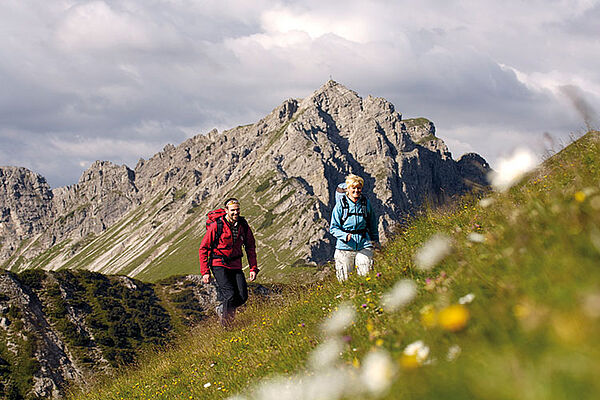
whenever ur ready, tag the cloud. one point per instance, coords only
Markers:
(487, 74)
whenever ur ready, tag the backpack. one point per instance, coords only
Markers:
(346, 213)
(216, 216)
(340, 192)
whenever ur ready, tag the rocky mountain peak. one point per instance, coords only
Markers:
(284, 168)
(24, 204)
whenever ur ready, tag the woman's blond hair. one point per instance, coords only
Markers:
(354, 180)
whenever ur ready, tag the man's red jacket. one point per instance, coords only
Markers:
(227, 247)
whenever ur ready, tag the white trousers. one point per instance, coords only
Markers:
(346, 260)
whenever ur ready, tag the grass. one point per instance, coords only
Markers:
(529, 333)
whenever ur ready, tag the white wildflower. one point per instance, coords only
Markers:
(401, 294)
(476, 237)
(453, 352)
(433, 251)
(207, 385)
(466, 299)
(326, 354)
(488, 201)
(377, 372)
(334, 383)
(280, 388)
(339, 320)
(511, 170)
(417, 349)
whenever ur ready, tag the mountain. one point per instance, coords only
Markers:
(147, 222)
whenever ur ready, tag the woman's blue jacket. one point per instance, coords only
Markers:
(357, 220)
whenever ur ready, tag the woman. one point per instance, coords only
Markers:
(354, 224)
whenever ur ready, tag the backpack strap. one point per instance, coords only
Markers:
(215, 242)
(346, 213)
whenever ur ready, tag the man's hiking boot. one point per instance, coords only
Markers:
(219, 311)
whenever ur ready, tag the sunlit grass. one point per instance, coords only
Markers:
(513, 311)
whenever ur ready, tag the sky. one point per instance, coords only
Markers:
(118, 80)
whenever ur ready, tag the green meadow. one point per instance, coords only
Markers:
(511, 312)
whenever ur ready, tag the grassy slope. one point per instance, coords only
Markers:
(533, 326)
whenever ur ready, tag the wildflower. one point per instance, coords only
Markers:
(339, 320)
(511, 170)
(364, 305)
(326, 354)
(414, 355)
(207, 385)
(401, 294)
(377, 372)
(454, 318)
(466, 299)
(433, 251)
(378, 275)
(579, 196)
(476, 237)
(453, 352)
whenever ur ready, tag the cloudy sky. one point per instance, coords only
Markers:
(118, 80)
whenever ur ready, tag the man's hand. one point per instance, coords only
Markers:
(252, 276)
(206, 278)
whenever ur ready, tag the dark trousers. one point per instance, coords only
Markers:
(232, 290)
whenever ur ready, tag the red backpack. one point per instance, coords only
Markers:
(216, 216)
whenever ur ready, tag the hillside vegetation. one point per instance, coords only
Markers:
(512, 311)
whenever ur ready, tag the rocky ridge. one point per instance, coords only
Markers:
(59, 329)
(147, 222)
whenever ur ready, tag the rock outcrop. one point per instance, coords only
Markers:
(284, 168)
(60, 329)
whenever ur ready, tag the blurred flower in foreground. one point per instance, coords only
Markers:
(414, 355)
(331, 384)
(326, 354)
(377, 372)
(579, 197)
(488, 201)
(454, 318)
(453, 352)
(433, 251)
(476, 237)
(400, 295)
(466, 299)
(339, 320)
(511, 170)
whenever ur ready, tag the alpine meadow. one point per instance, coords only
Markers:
(508, 306)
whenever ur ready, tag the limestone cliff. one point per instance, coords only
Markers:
(147, 222)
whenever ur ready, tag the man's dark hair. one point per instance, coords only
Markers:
(232, 200)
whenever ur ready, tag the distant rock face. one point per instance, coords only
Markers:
(284, 168)
(25, 207)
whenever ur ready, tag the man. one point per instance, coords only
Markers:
(221, 252)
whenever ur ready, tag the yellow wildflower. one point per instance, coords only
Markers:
(454, 318)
